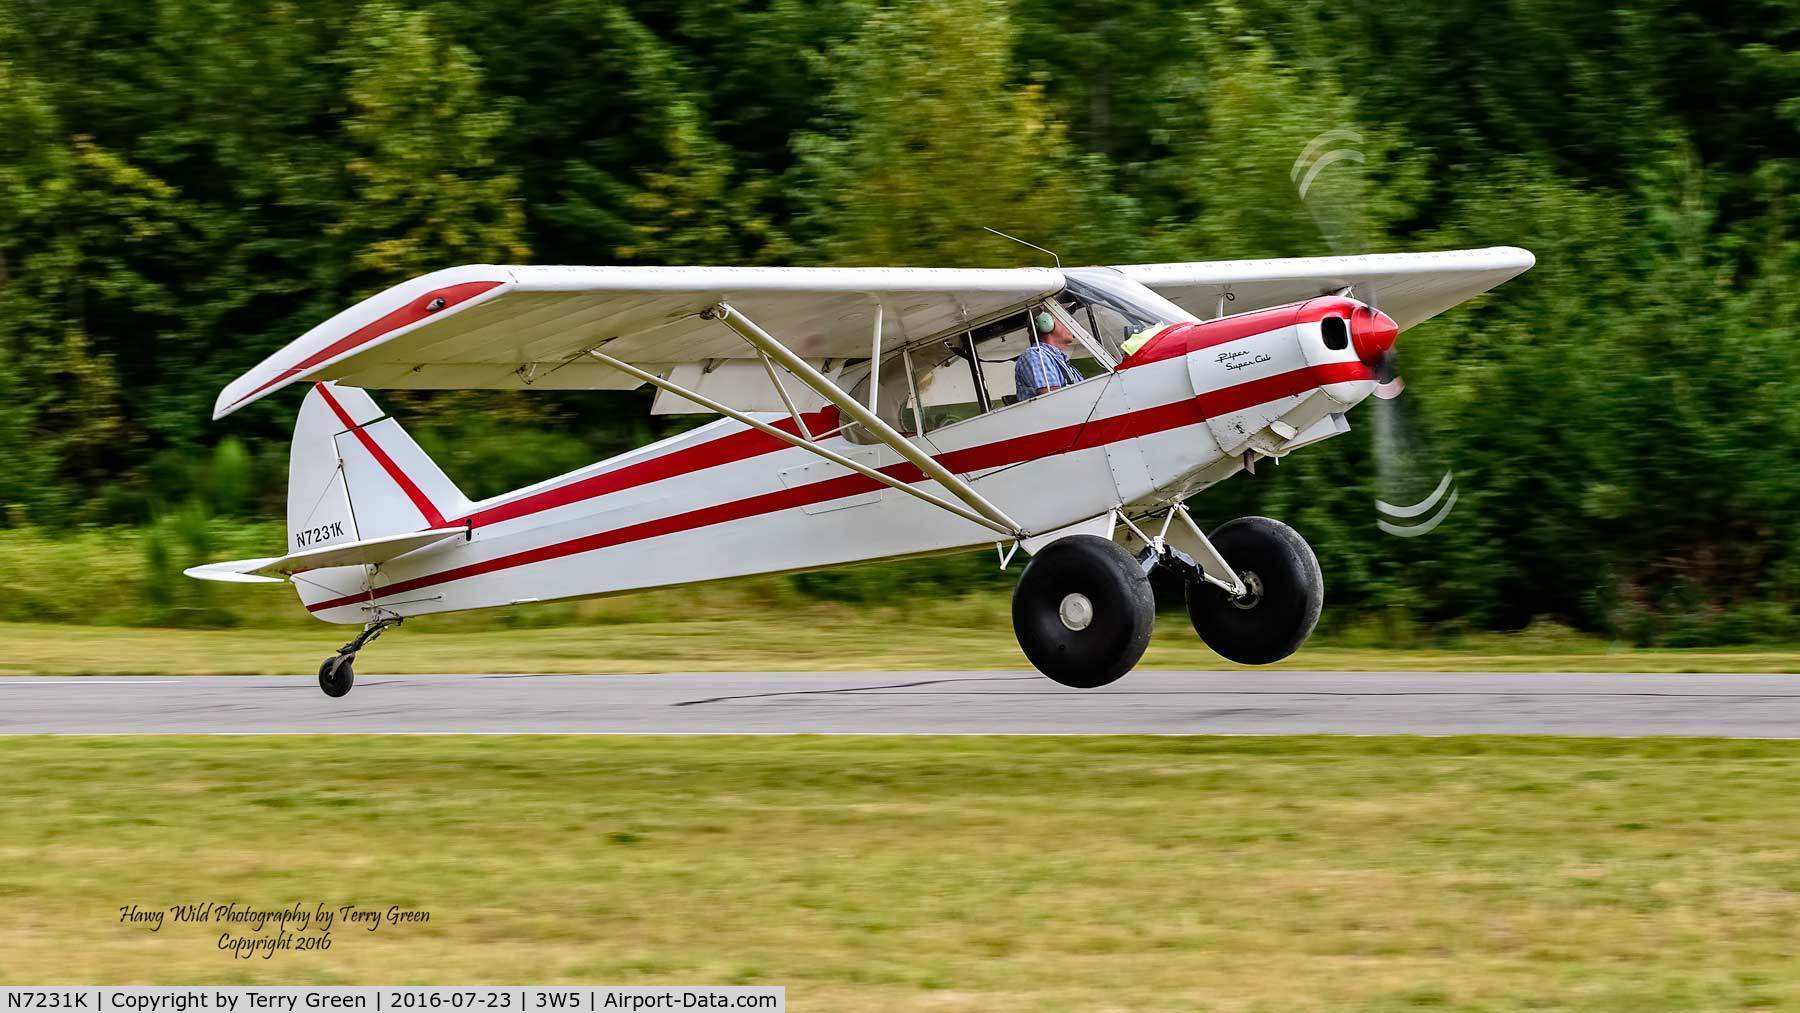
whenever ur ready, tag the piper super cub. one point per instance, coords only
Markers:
(867, 414)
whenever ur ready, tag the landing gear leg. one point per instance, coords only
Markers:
(336, 675)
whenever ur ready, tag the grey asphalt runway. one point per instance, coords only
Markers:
(1148, 702)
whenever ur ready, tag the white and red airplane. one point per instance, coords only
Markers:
(868, 414)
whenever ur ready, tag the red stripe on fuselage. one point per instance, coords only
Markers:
(738, 446)
(420, 501)
(1081, 436)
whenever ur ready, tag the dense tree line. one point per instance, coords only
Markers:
(186, 185)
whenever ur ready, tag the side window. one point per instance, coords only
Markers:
(1108, 326)
(1059, 324)
(941, 377)
(997, 347)
(1081, 353)
(969, 374)
(893, 403)
(946, 385)
(965, 375)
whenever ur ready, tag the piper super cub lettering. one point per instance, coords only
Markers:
(867, 413)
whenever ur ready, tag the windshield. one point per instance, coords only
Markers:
(1120, 313)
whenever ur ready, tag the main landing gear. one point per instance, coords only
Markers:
(1284, 592)
(1083, 609)
(336, 675)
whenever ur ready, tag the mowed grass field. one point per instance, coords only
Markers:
(818, 640)
(935, 874)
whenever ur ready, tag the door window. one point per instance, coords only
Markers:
(966, 375)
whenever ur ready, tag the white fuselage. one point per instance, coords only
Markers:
(724, 500)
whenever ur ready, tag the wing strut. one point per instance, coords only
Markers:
(805, 444)
(781, 388)
(760, 339)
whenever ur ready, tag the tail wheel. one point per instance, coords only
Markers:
(336, 676)
(1285, 593)
(1083, 611)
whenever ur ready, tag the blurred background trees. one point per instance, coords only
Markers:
(185, 185)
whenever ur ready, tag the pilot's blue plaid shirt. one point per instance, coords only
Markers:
(1041, 367)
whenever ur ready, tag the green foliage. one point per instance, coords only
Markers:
(230, 481)
(171, 598)
(893, 182)
(425, 183)
(185, 185)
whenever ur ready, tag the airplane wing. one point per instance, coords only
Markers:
(1410, 287)
(497, 327)
(494, 327)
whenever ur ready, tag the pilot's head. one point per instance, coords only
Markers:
(1051, 330)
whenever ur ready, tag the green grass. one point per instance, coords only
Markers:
(936, 874)
(825, 640)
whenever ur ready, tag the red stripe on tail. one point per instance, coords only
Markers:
(420, 501)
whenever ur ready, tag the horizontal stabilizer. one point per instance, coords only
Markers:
(369, 551)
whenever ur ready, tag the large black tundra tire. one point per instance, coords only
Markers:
(1287, 592)
(1083, 611)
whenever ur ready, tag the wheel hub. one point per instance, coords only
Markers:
(1076, 611)
(1253, 591)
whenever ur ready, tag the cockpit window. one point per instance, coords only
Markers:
(969, 373)
(1119, 313)
(964, 374)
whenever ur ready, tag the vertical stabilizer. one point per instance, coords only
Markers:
(355, 474)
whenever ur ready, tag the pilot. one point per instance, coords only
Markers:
(1045, 366)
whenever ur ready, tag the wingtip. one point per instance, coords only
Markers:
(1528, 260)
(227, 402)
(235, 397)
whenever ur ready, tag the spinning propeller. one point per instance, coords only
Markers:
(1330, 179)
